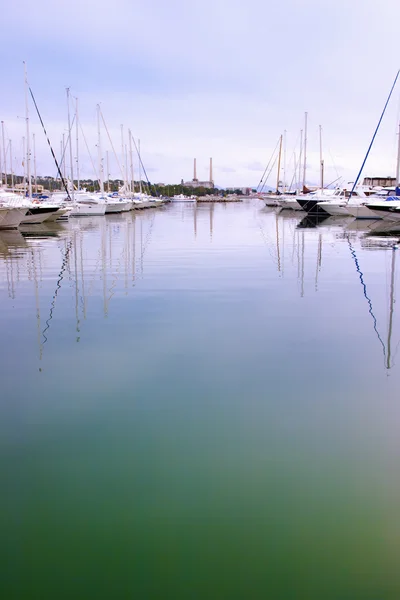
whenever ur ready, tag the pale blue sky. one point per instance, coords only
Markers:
(213, 78)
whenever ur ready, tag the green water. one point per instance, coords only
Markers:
(199, 403)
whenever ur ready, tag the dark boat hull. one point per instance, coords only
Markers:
(311, 206)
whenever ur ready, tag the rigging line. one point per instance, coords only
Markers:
(266, 168)
(66, 143)
(58, 288)
(269, 173)
(50, 146)
(361, 275)
(90, 156)
(374, 136)
(112, 146)
(334, 164)
(141, 162)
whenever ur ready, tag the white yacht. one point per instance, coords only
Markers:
(340, 203)
(183, 198)
(10, 217)
(86, 204)
(388, 209)
(359, 210)
(35, 212)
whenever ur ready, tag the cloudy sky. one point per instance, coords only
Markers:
(220, 78)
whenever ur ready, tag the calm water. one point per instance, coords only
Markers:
(199, 403)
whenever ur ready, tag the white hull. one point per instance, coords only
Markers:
(87, 210)
(271, 200)
(10, 218)
(362, 212)
(60, 213)
(187, 200)
(291, 204)
(335, 209)
(115, 207)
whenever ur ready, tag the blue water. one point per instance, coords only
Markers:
(199, 402)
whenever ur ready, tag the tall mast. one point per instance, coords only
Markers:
(108, 173)
(140, 168)
(11, 166)
(70, 146)
(123, 154)
(4, 156)
(101, 168)
(305, 150)
(24, 155)
(131, 160)
(126, 162)
(78, 183)
(34, 162)
(300, 155)
(1, 170)
(284, 161)
(62, 164)
(28, 150)
(321, 161)
(398, 160)
(279, 166)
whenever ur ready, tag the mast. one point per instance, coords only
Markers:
(1, 170)
(34, 162)
(70, 146)
(100, 160)
(78, 183)
(28, 150)
(131, 160)
(11, 166)
(108, 173)
(321, 161)
(123, 154)
(4, 156)
(284, 161)
(63, 155)
(305, 150)
(398, 160)
(24, 163)
(140, 170)
(126, 162)
(300, 154)
(279, 165)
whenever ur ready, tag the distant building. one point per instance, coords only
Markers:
(380, 181)
(36, 189)
(195, 183)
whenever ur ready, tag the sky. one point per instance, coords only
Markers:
(216, 78)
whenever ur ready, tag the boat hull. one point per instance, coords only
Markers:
(291, 204)
(388, 214)
(362, 212)
(10, 218)
(335, 209)
(87, 210)
(311, 206)
(38, 214)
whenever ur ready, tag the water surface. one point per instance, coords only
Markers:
(199, 402)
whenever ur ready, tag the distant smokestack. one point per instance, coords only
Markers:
(194, 171)
(211, 173)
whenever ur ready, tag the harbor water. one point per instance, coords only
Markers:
(199, 401)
